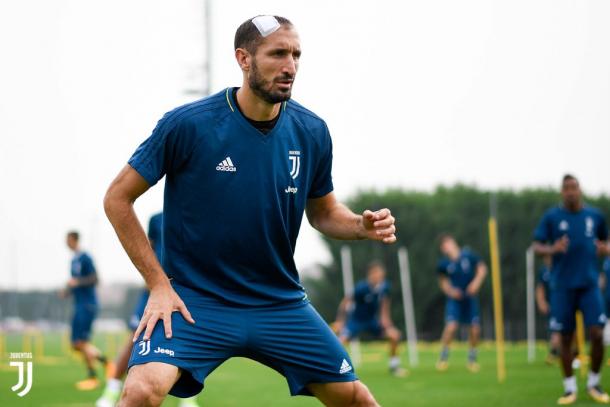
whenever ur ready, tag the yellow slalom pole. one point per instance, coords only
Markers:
(39, 346)
(497, 298)
(26, 342)
(580, 343)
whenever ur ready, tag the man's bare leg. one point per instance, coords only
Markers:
(147, 385)
(343, 394)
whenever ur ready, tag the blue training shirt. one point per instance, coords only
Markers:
(155, 234)
(367, 300)
(234, 197)
(544, 278)
(606, 270)
(461, 271)
(82, 266)
(577, 268)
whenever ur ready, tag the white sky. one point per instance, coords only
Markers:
(416, 93)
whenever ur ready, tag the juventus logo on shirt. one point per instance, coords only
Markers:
(295, 159)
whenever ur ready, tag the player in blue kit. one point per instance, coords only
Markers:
(241, 168)
(543, 301)
(113, 384)
(81, 286)
(367, 309)
(575, 235)
(461, 274)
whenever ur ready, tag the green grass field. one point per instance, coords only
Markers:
(241, 382)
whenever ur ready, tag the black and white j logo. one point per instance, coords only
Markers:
(144, 348)
(295, 159)
(25, 372)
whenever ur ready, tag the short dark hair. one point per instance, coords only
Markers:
(444, 236)
(74, 235)
(248, 37)
(568, 177)
(374, 264)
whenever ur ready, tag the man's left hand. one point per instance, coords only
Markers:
(603, 249)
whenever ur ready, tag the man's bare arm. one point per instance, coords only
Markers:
(385, 317)
(336, 220)
(118, 204)
(475, 285)
(447, 289)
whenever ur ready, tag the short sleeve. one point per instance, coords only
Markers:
(542, 233)
(360, 291)
(541, 275)
(322, 183)
(154, 229)
(602, 228)
(606, 265)
(475, 259)
(87, 267)
(441, 267)
(387, 290)
(166, 150)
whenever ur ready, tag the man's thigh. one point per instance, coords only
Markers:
(343, 394)
(197, 349)
(563, 310)
(299, 344)
(152, 379)
(590, 302)
(469, 311)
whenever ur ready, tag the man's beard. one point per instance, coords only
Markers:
(259, 86)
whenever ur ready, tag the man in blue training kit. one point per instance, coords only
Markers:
(543, 301)
(113, 384)
(461, 274)
(241, 167)
(367, 309)
(575, 235)
(81, 286)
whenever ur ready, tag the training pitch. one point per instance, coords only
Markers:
(241, 382)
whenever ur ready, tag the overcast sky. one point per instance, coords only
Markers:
(415, 93)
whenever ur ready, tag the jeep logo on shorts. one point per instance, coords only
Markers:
(168, 352)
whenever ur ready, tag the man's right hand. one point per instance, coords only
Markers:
(162, 302)
(543, 307)
(561, 245)
(456, 294)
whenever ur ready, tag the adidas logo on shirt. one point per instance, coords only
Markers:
(345, 367)
(226, 165)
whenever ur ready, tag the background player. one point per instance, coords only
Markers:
(543, 301)
(368, 310)
(114, 383)
(241, 168)
(81, 286)
(575, 235)
(461, 274)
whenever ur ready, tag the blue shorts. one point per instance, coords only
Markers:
(82, 321)
(355, 327)
(134, 320)
(292, 339)
(464, 311)
(565, 303)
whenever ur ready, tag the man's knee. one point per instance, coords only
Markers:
(596, 333)
(145, 389)
(138, 393)
(363, 396)
(451, 327)
(346, 394)
(393, 334)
